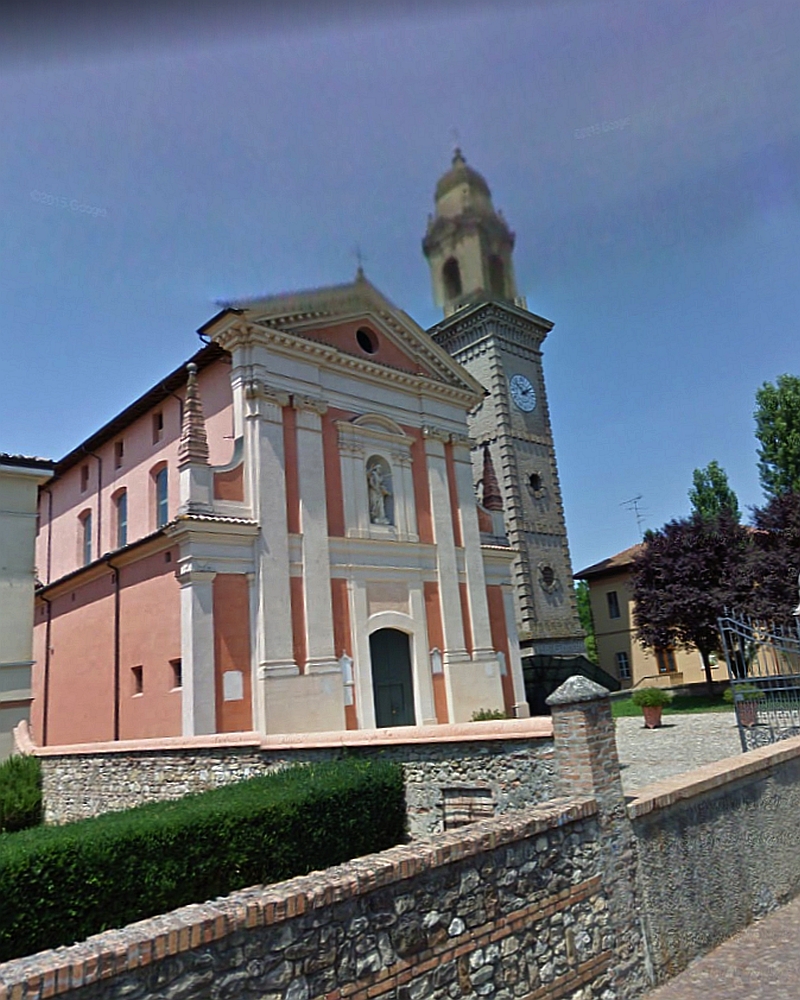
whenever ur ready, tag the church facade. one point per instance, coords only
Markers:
(489, 330)
(282, 536)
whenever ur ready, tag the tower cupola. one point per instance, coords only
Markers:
(468, 244)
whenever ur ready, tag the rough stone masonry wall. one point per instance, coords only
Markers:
(472, 778)
(507, 908)
(717, 848)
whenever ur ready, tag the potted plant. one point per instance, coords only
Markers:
(651, 701)
(745, 699)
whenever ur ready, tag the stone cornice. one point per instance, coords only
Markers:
(294, 344)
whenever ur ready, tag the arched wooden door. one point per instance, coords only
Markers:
(392, 686)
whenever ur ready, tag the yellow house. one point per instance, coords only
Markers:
(619, 652)
(20, 478)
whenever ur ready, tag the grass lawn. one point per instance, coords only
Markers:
(681, 703)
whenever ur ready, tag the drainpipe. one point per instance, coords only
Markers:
(46, 681)
(115, 570)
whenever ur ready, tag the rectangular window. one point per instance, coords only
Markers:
(84, 478)
(119, 454)
(122, 519)
(162, 498)
(158, 426)
(613, 604)
(177, 673)
(665, 658)
(137, 675)
(623, 666)
(86, 538)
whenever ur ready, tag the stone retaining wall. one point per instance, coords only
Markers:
(508, 908)
(453, 774)
(718, 848)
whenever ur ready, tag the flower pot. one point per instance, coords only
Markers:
(652, 716)
(747, 713)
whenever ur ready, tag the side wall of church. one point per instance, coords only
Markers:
(93, 485)
(79, 674)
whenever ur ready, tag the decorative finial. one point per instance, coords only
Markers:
(193, 447)
(360, 258)
(492, 497)
(458, 157)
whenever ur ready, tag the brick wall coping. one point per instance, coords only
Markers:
(114, 952)
(537, 728)
(663, 794)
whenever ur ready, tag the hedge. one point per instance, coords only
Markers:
(60, 884)
(20, 793)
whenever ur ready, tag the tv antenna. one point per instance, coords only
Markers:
(633, 504)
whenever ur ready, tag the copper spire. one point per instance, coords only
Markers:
(492, 497)
(193, 447)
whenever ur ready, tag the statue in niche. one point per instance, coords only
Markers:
(379, 485)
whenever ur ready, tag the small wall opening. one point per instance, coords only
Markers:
(497, 276)
(451, 276)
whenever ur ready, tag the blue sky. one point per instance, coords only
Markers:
(646, 155)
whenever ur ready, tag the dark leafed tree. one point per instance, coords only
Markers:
(687, 573)
(777, 417)
(710, 494)
(774, 559)
(587, 621)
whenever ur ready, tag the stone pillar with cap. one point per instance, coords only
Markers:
(587, 763)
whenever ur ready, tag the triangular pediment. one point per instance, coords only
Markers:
(334, 315)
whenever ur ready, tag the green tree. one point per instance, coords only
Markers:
(684, 577)
(710, 494)
(585, 615)
(774, 559)
(777, 417)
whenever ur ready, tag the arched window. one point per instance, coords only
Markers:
(85, 522)
(497, 276)
(451, 275)
(121, 508)
(161, 496)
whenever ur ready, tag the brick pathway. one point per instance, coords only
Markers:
(760, 963)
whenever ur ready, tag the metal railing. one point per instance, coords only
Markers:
(764, 669)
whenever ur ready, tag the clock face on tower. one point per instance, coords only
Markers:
(523, 393)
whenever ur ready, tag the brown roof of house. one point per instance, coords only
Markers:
(26, 461)
(611, 565)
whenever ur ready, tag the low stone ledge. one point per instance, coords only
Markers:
(537, 728)
(663, 794)
(115, 952)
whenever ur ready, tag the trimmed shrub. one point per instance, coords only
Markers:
(20, 793)
(61, 884)
(651, 697)
(488, 714)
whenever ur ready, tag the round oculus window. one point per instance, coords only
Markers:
(367, 340)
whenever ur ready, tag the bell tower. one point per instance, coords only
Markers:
(468, 244)
(488, 329)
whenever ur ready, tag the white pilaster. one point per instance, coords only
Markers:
(452, 620)
(362, 664)
(423, 680)
(483, 647)
(320, 651)
(267, 487)
(197, 650)
(521, 707)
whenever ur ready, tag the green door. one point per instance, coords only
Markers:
(391, 678)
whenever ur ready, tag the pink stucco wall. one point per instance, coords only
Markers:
(81, 670)
(141, 457)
